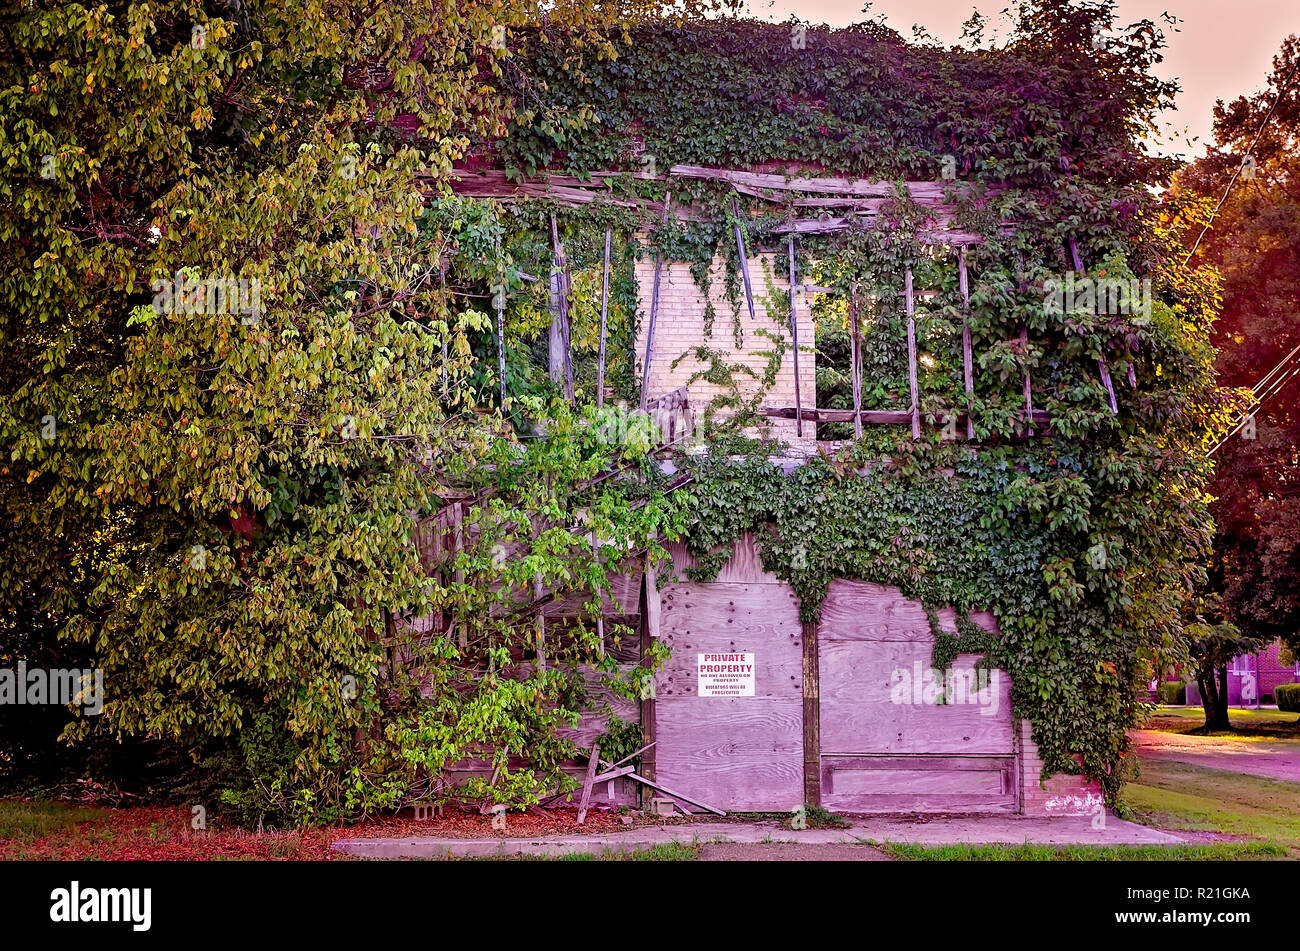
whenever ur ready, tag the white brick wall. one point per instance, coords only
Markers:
(679, 329)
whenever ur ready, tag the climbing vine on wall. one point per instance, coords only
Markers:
(1083, 540)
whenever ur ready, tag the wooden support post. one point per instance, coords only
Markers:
(911, 356)
(743, 258)
(604, 316)
(794, 337)
(442, 285)
(812, 757)
(458, 573)
(654, 316)
(1029, 389)
(649, 634)
(555, 335)
(562, 284)
(541, 641)
(501, 339)
(855, 354)
(1102, 368)
(967, 353)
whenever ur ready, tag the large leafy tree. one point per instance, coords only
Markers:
(1255, 573)
(214, 502)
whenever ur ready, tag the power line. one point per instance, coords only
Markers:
(1273, 383)
(1232, 181)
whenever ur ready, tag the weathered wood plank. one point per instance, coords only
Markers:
(593, 766)
(823, 185)
(604, 314)
(739, 754)
(650, 620)
(889, 417)
(1029, 387)
(742, 259)
(654, 316)
(874, 699)
(920, 784)
(812, 774)
(794, 337)
(745, 565)
(855, 355)
(967, 353)
(864, 611)
(911, 356)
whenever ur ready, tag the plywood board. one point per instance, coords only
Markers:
(919, 784)
(863, 611)
(735, 754)
(744, 566)
(868, 704)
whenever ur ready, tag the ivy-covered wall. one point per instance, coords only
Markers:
(1084, 536)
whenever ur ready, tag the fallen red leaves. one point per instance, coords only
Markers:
(163, 833)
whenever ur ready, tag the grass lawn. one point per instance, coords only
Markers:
(1220, 851)
(1262, 723)
(1181, 796)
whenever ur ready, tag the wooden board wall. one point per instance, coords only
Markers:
(887, 746)
(735, 753)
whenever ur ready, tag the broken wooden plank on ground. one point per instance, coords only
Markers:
(676, 795)
(593, 764)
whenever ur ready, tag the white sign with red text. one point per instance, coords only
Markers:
(726, 675)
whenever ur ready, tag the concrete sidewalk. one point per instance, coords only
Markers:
(976, 830)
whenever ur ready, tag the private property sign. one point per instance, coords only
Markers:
(726, 675)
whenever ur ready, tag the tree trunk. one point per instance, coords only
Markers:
(1209, 695)
(1221, 707)
(1214, 696)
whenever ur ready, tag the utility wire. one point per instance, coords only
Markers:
(1232, 181)
(1274, 382)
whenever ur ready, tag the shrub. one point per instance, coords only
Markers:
(1172, 692)
(1287, 697)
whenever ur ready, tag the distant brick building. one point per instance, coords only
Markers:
(1252, 678)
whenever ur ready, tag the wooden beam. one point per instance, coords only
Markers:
(967, 354)
(911, 357)
(442, 284)
(883, 417)
(829, 225)
(654, 316)
(593, 764)
(562, 297)
(676, 795)
(1029, 388)
(604, 314)
(812, 756)
(1102, 369)
(855, 354)
(743, 256)
(794, 336)
(458, 573)
(831, 186)
(501, 338)
(649, 631)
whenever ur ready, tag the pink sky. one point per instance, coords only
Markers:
(1224, 49)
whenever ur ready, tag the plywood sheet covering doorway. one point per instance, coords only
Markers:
(735, 753)
(886, 744)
